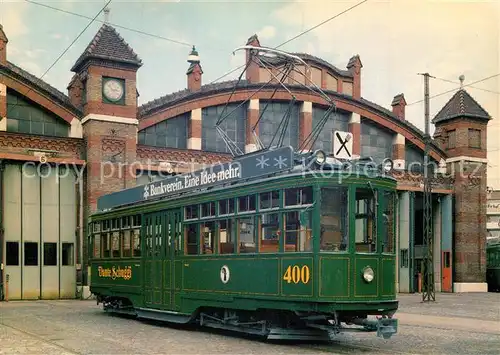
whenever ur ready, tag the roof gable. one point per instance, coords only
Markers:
(107, 44)
(22, 75)
(461, 105)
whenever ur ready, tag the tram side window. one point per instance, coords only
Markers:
(191, 212)
(387, 233)
(226, 206)
(299, 196)
(136, 235)
(298, 231)
(136, 242)
(178, 237)
(226, 237)
(269, 200)
(269, 233)
(208, 209)
(97, 246)
(333, 220)
(159, 250)
(191, 237)
(246, 203)
(366, 237)
(115, 244)
(148, 237)
(246, 235)
(106, 245)
(127, 250)
(208, 238)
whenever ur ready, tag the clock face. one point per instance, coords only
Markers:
(113, 90)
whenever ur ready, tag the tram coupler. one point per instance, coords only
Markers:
(385, 327)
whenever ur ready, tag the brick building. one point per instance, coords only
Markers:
(59, 153)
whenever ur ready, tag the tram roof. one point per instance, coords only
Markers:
(261, 166)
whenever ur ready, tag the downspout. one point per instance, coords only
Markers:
(80, 226)
(2, 263)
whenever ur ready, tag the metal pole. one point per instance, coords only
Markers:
(428, 293)
(80, 226)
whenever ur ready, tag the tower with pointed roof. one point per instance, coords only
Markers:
(461, 130)
(104, 88)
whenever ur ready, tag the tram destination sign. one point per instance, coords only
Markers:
(245, 167)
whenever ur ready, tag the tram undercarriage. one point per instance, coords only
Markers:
(288, 325)
(271, 324)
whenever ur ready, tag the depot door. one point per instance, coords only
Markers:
(40, 218)
(446, 284)
(154, 256)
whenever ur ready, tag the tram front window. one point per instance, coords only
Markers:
(334, 231)
(366, 232)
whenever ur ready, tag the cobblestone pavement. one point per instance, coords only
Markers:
(454, 324)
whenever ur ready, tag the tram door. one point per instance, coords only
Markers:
(173, 268)
(154, 257)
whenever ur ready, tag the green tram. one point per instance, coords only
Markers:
(299, 250)
(493, 265)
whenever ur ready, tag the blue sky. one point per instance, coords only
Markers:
(395, 40)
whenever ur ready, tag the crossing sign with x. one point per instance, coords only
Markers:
(342, 145)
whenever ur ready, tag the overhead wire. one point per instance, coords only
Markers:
(68, 47)
(452, 90)
(189, 44)
(112, 24)
(321, 23)
(297, 36)
(472, 87)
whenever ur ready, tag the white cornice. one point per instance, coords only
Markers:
(466, 158)
(107, 118)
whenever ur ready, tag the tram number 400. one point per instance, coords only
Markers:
(297, 274)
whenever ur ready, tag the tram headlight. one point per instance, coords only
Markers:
(368, 274)
(320, 156)
(387, 165)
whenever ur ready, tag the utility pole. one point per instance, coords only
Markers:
(428, 293)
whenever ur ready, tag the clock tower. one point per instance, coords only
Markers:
(104, 88)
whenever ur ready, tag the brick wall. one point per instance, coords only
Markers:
(470, 223)
(3, 101)
(470, 196)
(110, 153)
(71, 148)
(75, 91)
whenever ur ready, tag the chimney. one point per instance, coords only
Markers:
(398, 106)
(3, 46)
(194, 71)
(354, 66)
(252, 72)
